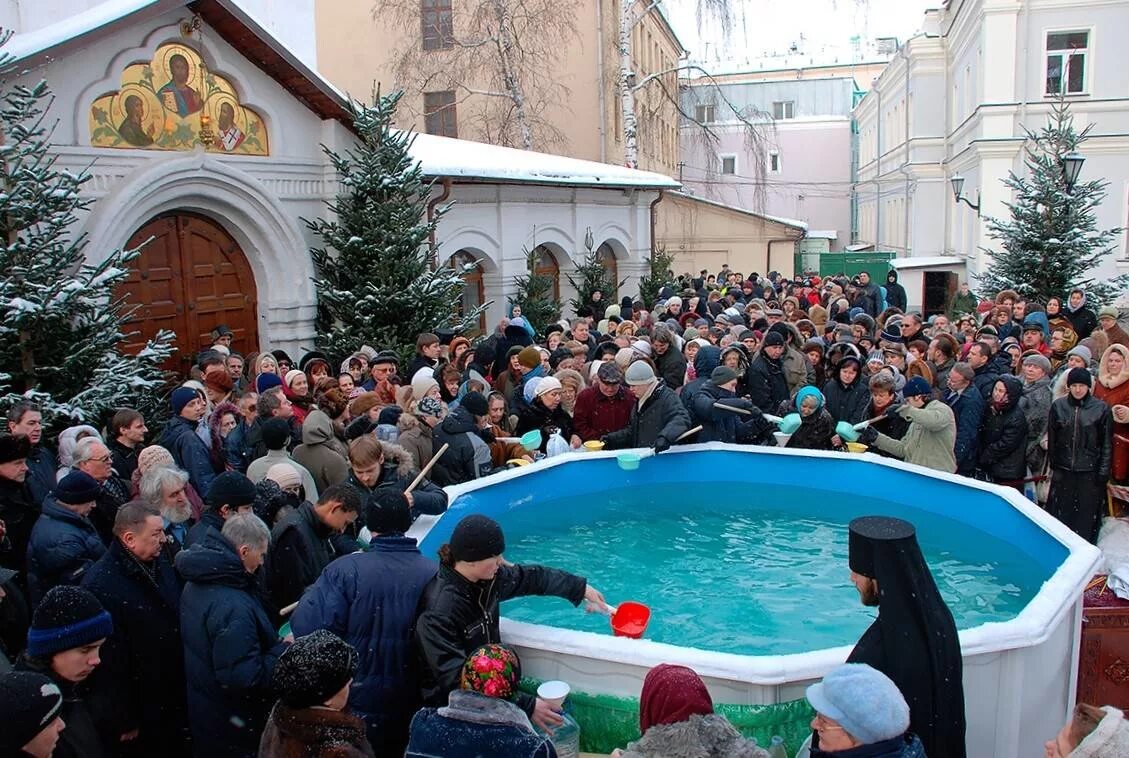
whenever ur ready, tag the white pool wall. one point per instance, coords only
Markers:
(1020, 676)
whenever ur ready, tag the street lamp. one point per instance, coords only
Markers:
(958, 184)
(1071, 168)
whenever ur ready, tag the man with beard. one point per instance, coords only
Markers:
(914, 639)
(165, 488)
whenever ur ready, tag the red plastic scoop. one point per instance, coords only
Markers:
(630, 619)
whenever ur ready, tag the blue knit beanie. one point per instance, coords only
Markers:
(67, 617)
(916, 386)
(265, 382)
(77, 488)
(806, 392)
(181, 397)
(863, 700)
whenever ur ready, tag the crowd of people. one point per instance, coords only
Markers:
(146, 583)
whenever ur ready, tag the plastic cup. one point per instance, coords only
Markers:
(554, 692)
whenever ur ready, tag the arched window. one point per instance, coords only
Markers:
(474, 293)
(607, 257)
(547, 266)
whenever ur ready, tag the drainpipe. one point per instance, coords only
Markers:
(905, 163)
(446, 193)
(768, 250)
(601, 86)
(654, 202)
(878, 175)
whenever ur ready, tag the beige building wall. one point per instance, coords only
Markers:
(703, 235)
(356, 49)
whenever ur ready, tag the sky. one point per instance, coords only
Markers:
(820, 29)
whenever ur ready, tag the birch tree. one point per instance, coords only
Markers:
(499, 57)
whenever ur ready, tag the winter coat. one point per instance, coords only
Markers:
(125, 459)
(476, 726)
(259, 467)
(1116, 335)
(661, 415)
(815, 432)
(870, 299)
(420, 361)
(254, 447)
(798, 371)
(417, 438)
(671, 367)
(847, 402)
(711, 735)
(941, 376)
(397, 472)
(930, 439)
(1035, 402)
(19, 514)
(313, 733)
(41, 477)
(80, 738)
(236, 452)
(984, 379)
(143, 660)
(766, 384)
(536, 416)
(1083, 320)
(230, 650)
(1114, 390)
(906, 746)
(596, 414)
(189, 451)
(462, 461)
(1003, 438)
(209, 519)
(63, 546)
(457, 616)
(369, 599)
(321, 453)
(720, 425)
(1080, 436)
(961, 304)
(895, 292)
(968, 410)
(300, 548)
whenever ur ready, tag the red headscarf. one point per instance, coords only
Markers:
(672, 694)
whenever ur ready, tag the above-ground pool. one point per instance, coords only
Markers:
(742, 556)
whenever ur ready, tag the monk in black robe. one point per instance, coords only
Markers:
(914, 639)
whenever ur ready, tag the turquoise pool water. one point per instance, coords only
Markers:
(725, 570)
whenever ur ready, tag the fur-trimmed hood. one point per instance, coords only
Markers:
(710, 735)
(398, 457)
(320, 732)
(1105, 376)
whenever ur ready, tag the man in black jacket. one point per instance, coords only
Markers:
(658, 418)
(142, 669)
(128, 430)
(459, 608)
(468, 452)
(765, 382)
(301, 546)
(25, 418)
(18, 513)
(1080, 447)
(374, 464)
(895, 292)
(231, 493)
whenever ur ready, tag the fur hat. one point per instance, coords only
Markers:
(363, 403)
(13, 447)
(67, 617)
(314, 669)
(863, 700)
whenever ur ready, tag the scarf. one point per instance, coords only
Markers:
(672, 694)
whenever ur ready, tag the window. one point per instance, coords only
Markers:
(705, 114)
(439, 115)
(774, 162)
(1066, 62)
(728, 164)
(783, 109)
(435, 24)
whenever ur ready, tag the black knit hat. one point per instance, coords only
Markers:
(314, 669)
(29, 702)
(477, 538)
(77, 488)
(276, 433)
(13, 447)
(67, 617)
(1079, 376)
(773, 339)
(475, 402)
(231, 489)
(388, 512)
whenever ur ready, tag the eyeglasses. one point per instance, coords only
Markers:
(103, 459)
(821, 722)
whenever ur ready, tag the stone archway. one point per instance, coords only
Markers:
(546, 264)
(190, 277)
(474, 290)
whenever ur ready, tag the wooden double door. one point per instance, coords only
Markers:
(190, 277)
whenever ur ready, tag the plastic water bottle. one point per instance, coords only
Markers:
(776, 748)
(566, 738)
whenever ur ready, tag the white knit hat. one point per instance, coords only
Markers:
(284, 475)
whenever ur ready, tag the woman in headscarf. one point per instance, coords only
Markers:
(816, 425)
(676, 718)
(1113, 389)
(296, 387)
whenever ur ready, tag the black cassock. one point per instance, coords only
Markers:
(914, 639)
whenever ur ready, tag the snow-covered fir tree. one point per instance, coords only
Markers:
(376, 281)
(1050, 242)
(660, 274)
(62, 323)
(591, 277)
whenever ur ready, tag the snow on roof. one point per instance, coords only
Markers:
(40, 40)
(463, 159)
(778, 219)
(822, 234)
(928, 261)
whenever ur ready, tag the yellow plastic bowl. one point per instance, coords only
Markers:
(593, 445)
(518, 461)
(856, 447)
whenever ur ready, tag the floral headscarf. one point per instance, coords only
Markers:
(492, 670)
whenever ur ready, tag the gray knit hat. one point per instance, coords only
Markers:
(639, 372)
